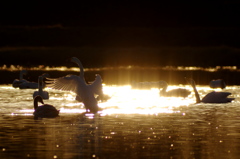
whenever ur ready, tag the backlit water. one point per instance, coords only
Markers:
(132, 124)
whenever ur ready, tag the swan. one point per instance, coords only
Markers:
(179, 92)
(78, 85)
(43, 94)
(96, 86)
(219, 83)
(32, 85)
(17, 82)
(212, 97)
(45, 110)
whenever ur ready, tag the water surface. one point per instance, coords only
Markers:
(132, 124)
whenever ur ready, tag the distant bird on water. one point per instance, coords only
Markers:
(179, 92)
(17, 82)
(78, 85)
(212, 97)
(32, 85)
(219, 83)
(45, 110)
(28, 85)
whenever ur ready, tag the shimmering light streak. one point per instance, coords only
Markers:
(123, 100)
(130, 101)
(76, 69)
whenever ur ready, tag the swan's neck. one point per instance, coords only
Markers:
(21, 76)
(40, 84)
(78, 62)
(198, 100)
(35, 104)
(81, 69)
(164, 88)
(23, 72)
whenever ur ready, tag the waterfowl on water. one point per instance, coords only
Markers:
(179, 92)
(43, 94)
(32, 85)
(17, 82)
(212, 97)
(28, 85)
(78, 85)
(219, 83)
(45, 110)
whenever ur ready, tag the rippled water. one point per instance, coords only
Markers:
(132, 124)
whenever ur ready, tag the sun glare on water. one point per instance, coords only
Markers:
(122, 100)
(126, 100)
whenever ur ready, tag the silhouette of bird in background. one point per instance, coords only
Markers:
(212, 97)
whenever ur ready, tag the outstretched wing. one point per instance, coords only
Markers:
(96, 86)
(66, 83)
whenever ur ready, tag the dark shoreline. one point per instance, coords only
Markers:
(127, 76)
(103, 46)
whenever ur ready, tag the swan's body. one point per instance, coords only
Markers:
(40, 92)
(212, 97)
(78, 85)
(219, 83)
(28, 85)
(179, 92)
(45, 110)
(96, 87)
(19, 81)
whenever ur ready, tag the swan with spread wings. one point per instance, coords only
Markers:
(96, 86)
(78, 85)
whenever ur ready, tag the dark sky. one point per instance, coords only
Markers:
(116, 14)
(126, 30)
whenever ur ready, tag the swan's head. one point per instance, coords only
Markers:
(37, 99)
(190, 81)
(45, 75)
(75, 60)
(163, 84)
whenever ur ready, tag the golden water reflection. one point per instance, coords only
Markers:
(126, 100)
(133, 124)
(123, 100)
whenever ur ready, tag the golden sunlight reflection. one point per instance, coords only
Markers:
(76, 69)
(125, 100)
